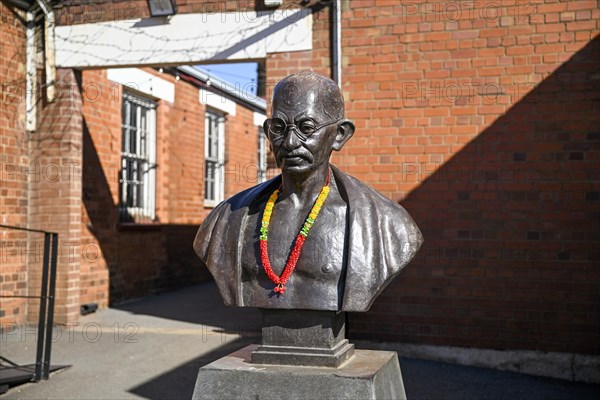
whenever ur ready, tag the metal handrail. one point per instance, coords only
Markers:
(19, 228)
(47, 297)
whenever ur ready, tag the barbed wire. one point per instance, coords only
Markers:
(194, 47)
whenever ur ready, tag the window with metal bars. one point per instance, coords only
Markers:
(138, 159)
(214, 156)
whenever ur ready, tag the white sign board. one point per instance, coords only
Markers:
(184, 39)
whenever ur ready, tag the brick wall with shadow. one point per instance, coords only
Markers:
(511, 225)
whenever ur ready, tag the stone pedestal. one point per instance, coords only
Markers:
(303, 337)
(367, 375)
(304, 354)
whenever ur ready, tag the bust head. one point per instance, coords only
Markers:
(307, 122)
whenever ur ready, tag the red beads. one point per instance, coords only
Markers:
(280, 281)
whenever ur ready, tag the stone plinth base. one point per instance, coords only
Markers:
(315, 357)
(304, 338)
(367, 375)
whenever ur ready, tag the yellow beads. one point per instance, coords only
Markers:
(267, 215)
(310, 220)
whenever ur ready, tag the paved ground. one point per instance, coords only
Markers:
(152, 349)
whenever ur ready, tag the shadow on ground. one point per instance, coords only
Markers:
(180, 332)
(423, 379)
(429, 380)
(179, 382)
(200, 304)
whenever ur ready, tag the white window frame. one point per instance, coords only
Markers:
(214, 125)
(261, 169)
(138, 205)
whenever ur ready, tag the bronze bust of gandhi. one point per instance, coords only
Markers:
(312, 238)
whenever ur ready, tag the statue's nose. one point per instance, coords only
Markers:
(291, 141)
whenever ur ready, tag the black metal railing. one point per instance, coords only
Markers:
(46, 312)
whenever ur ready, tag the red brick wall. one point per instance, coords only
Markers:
(41, 181)
(14, 157)
(501, 178)
(482, 120)
(116, 10)
(55, 196)
(101, 164)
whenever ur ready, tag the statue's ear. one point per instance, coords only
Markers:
(345, 130)
(266, 126)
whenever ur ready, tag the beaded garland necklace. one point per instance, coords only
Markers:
(280, 281)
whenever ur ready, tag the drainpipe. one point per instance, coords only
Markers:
(49, 50)
(30, 75)
(337, 42)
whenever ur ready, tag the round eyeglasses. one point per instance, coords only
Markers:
(303, 129)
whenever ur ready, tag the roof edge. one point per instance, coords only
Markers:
(224, 86)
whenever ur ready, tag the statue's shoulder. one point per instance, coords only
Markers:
(246, 197)
(383, 239)
(212, 228)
